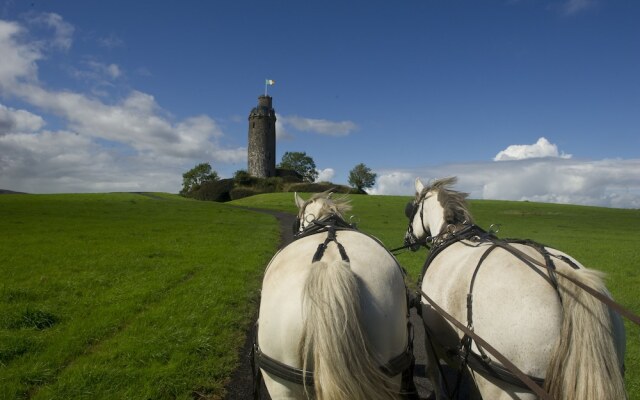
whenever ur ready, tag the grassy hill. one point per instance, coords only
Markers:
(120, 296)
(149, 295)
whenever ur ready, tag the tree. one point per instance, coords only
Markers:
(242, 177)
(196, 176)
(301, 163)
(361, 177)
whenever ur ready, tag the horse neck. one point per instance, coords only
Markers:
(435, 214)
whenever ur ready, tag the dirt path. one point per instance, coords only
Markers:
(240, 387)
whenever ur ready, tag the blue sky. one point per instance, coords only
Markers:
(521, 99)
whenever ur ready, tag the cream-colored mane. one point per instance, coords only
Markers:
(454, 203)
(327, 205)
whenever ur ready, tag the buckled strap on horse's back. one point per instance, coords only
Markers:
(323, 246)
(331, 237)
(483, 365)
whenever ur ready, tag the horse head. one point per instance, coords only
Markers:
(318, 206)
(434, 208)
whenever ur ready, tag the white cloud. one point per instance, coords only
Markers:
(62, 31)
(320, 126)
(542, 148)
(394, 182)
(282, 132)
(325, 175)
(111, 71)
(125, 144)
(609, 183)
(65, 162)
(18, 59)
(13, 121)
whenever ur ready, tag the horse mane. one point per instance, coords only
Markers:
(456, 209)
(332, 205)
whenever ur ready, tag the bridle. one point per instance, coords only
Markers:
(302, 222)
(410, 210)
(299, 226)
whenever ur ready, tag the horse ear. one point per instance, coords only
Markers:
(419, 185)
(299, 201)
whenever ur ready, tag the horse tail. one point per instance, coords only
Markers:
(585, 363)
(334, 343)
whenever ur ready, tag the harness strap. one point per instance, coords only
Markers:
(606, 300)
(281, 370)
(395, 366)
(331, 237)
(469, 232)
(482, 364)
(524, 378)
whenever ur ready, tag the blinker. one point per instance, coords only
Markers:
(410, 209)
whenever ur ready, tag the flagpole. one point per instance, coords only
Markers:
(267, 83)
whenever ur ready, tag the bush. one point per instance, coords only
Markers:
(214, 191)
(273, 184)
(288, 175)
(243, 178)
(242, 192)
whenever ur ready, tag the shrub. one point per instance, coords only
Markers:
(272, 184)
(214, 190)
(242, 192)
(243, 178)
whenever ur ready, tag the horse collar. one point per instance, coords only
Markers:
(454, 232)
(331, 221)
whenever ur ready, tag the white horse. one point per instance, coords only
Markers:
(564, 336)
(341, 318)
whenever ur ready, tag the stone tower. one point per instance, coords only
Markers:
(262, 139)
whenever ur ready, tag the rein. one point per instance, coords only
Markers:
(509, 373)
(490, 349)
(606, 300)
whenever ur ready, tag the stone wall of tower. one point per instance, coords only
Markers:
(262, 139)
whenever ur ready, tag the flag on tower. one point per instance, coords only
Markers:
(267, 83)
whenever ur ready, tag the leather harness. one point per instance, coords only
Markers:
(482, 363)
(403, 363)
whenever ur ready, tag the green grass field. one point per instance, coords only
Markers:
(124, 296)
(139, 296)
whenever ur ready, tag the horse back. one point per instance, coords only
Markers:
(382, 294)
(509, 303)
